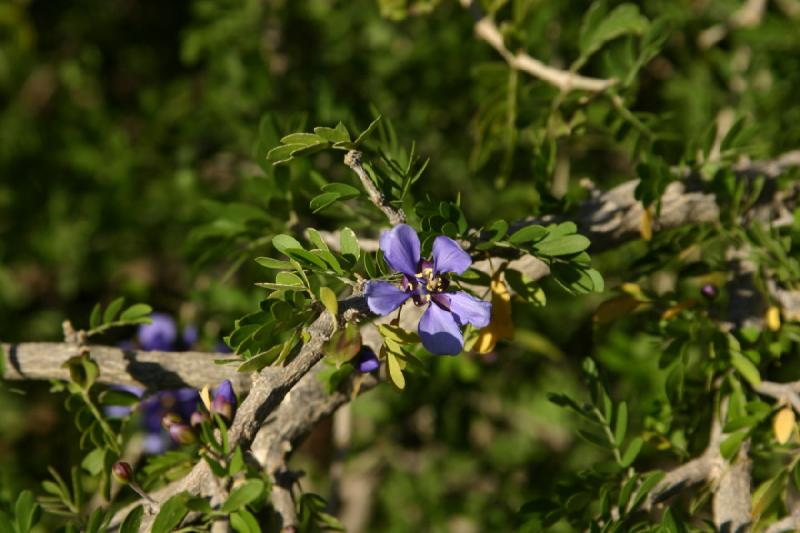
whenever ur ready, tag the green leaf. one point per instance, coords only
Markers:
(595, 32)
(343, 345)
(245, 493)
(27, 511)
(621, 424)
(328, 298)
(171, 514)
(275, 264)
(570, 244)
(135, 312)
(315, 237)
(333, 135)
(262, 360)
(304, 139)
(283, 153)
(289, 279)
(112, 310)
(83, 370)
(344, 190)
(349, 244)
(96, 317)
(118, 397)
(320, 202)
(746, 368)
(395, 372)
(244, 522)
(368, 131)
(631, 452)
(527, 234)
(94, 461)
(132, 521)
(285, 242)
(730, 445)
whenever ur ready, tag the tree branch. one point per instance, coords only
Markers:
(151, 370)
(566, 81)
(395, 215)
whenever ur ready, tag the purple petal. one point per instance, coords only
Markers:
(224, 401)
(367, 361)
(383, 297)
(448, 256)
(160, 334)
(468, 309)
(400, 247)
(439, 332)
(155, 443)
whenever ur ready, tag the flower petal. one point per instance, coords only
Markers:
(439, 332)
(468, 309)
(448, 256)
(366, 360)
(400, 247)
(383, 297)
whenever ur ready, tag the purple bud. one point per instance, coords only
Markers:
(224, 402)
(122, 472)
(198, 418)
(709, 291)
(366, 361)
(181, 433)
(160, 334)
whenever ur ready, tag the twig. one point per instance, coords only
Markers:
(784, 392)
(565, 81)
(696, 471)
(395, 215)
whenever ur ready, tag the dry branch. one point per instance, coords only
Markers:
(565, 81)
(151, 370)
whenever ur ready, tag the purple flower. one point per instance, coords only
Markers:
(709, 291)
(366, 361)
(178, 403)
(224, 402)
(160, 334)
(426, 283)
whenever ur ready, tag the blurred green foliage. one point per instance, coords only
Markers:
(133, 141)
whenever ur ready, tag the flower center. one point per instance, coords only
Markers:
(425, 284)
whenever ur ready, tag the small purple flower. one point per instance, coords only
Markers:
(426, 282)
(224, 402)
(160, 334)
(366, 361)
(709, 291)
(178, 403)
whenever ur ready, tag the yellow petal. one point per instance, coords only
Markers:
(783, 425)
(646, 226)
(773, 318)
(614, 308)
(676, 309)
(501, 326)
(205, 396)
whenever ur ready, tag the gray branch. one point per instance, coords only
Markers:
(151, 370)
(395, 215)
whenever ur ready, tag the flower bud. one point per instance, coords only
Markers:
(709, 291)
(181, 433)
(169, 420)
(122, 472)
(198, 417)
(366, 361)
(224, 403)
